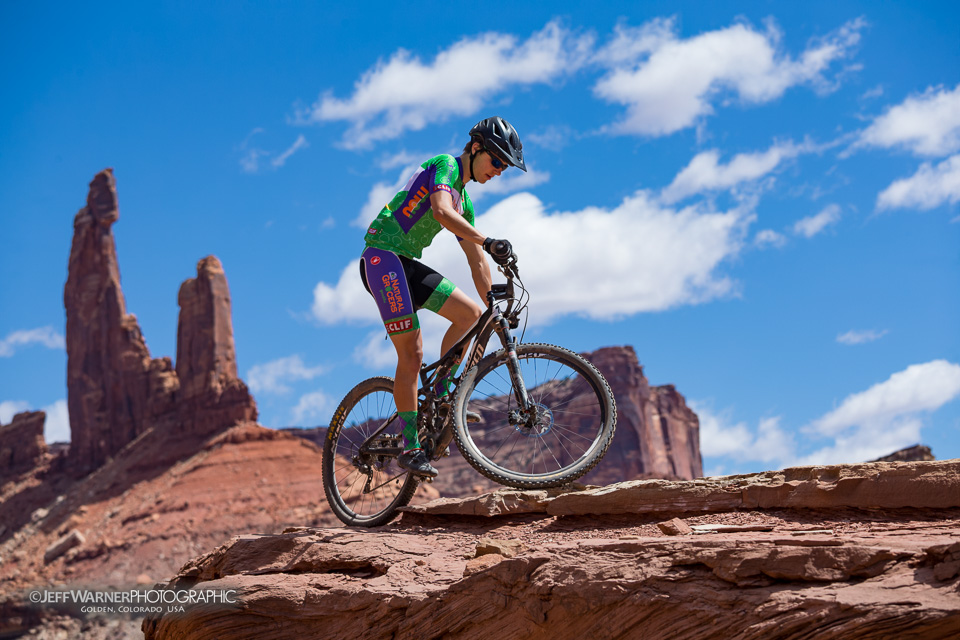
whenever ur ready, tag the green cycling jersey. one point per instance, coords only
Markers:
(406, 224)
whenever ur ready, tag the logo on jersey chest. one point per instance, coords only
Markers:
(415, 201)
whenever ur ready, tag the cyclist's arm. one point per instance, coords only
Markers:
(479, 267)
(443, 212)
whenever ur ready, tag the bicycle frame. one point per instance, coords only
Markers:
(438, 437)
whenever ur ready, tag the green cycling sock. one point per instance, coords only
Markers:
(443, 386)
(411, 440)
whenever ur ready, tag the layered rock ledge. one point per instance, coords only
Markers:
(836, 552)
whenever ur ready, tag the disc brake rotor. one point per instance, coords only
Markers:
(540, 424)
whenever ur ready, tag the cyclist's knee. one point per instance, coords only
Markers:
(468, 316)
(409, 350)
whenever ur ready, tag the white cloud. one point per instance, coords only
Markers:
(400, 159)
(347, 301)
(629, 44)
(553, 138)
(56, 428)
(927, 124)
(406, 94)
(250, 161)
(312, 406)
(250, 156)
(45, 336)
(769, 238)
(668, 84)
(299, 143)
(916, 389)
(601, 263)
(377, 352)
(271, 376)
(510, 182)
(929, 187)
(860, 337)
(769, 443)
(705, 173)
(886, 417)
(867, 442)
(811, 226)
(10, 408)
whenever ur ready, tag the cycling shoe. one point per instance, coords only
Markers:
(472, 417)
(415, 461)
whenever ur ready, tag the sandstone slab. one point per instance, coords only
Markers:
(347, 584)
(879, 484)
(499, 502)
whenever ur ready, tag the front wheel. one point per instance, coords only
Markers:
(564, 432)
(365, 489)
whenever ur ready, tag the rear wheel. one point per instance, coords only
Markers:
(564, 433)
(365, 489)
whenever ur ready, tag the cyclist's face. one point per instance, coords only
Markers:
(486, 166)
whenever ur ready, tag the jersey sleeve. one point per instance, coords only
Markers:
(444, 174)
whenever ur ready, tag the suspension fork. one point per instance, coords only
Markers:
(513, 363)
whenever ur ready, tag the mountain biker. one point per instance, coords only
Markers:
(433, 199)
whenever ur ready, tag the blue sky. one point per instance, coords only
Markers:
(761, 198)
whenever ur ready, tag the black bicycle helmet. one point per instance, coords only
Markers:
(498, 136)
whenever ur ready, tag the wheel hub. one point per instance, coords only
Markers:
(535, 423)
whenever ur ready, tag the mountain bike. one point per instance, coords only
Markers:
(547, 416)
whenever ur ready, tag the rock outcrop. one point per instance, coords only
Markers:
(115, 390)
(109, 370)
(211, 395)
(150, 510)
(916, 453)
(22, 445)
(870, 485)
(785, 567)
(658, 435)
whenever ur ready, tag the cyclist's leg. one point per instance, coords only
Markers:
(409, 348)
(463, 313)
(383, 275)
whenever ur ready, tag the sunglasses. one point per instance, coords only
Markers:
(495, 161)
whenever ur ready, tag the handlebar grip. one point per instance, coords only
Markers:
(499, 249)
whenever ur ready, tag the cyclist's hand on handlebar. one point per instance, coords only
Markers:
(501, 250)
